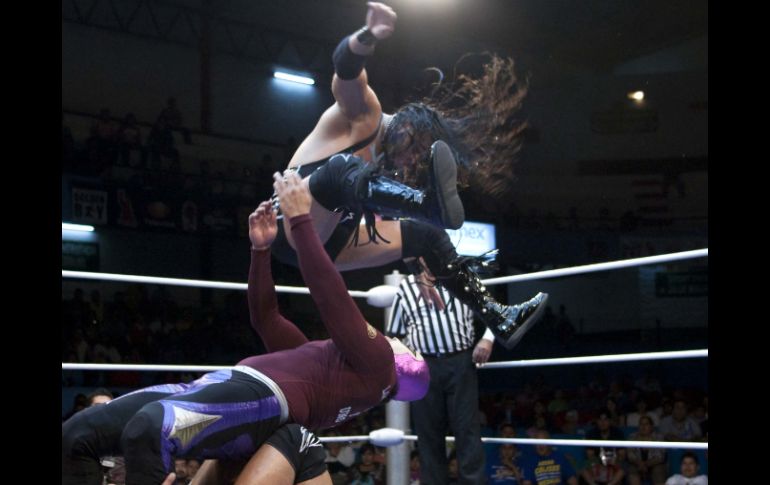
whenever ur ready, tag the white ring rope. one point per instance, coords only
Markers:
(144, 367)
(599, 443)
(590, 268)
(679, 354)
(553, 273)
(220, 285)
(594, 359)
(535, 441)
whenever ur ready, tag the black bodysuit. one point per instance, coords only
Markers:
(349, 223)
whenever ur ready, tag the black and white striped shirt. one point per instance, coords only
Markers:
(431, 331)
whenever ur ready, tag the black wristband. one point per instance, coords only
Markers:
(347, 64)
(365, 36)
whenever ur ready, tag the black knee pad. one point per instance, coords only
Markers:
(302, 449)
(430, 242)
(336, 183)
(143, 429)
(143, 442)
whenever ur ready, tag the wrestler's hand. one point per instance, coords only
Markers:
(263, 226)
(381, 20)
(426, 283)
(482, 351)
(293, 193)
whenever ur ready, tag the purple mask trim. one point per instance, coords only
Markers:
(413, 378)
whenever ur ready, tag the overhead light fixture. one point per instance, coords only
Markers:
(293, 78)
(66, 226)
(636, 95)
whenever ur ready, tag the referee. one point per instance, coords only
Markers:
(442, 330)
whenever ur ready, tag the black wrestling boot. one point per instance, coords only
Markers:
(509, 323)
(459, 275)
(439, 204)
(347, 181)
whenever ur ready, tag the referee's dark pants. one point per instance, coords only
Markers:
(452, 404)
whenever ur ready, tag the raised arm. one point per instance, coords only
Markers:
(350, 86)
(362, 345)
(277, 332)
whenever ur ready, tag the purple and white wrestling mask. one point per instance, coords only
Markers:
(412, 372)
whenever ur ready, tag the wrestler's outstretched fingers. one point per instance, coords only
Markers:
(270, 213)
(263, 209)
(263, 227)
(266, 208)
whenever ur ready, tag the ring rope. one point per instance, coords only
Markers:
(553, 273)
(549, 441)
(678, 354)
(592, 268)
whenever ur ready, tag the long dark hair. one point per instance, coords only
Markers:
(477, 116)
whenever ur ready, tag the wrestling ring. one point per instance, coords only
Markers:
(394, 436)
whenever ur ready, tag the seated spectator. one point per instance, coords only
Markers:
(539, 410)
(642, 409)
(689, 475)
(571, 423)
(617, 418)
(646, 464)
(540, 424)
(679, 426)
(547, 466)
(603, 469)
(180, 468)
(367, 471)
(99, 396)
(453, 475)
(504, 468)
(603, 430)
(414, 467)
